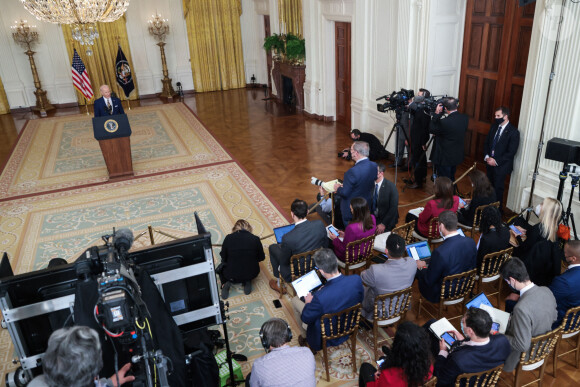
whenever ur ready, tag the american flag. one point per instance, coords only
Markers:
(80, 77)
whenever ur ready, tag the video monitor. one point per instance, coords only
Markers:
(187, 283)
(37, 304)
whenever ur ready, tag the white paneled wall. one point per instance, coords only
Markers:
(562, 114)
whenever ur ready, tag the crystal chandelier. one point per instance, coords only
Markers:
(158, 27)
(80, 14)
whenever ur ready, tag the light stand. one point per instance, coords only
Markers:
(25, 36)
(159, 29)
(229, 354)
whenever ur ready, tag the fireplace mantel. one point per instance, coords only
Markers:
(295, 72)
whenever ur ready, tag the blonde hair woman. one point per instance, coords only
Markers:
(241, 255)
(540, 251)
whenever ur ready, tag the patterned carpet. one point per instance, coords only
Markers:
(61, 152)
(36, 228)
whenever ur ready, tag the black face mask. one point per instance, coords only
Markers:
(498, 120)
(514, 290)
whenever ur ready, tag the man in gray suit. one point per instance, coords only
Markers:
(396, 273)
(533, 315)
(305, 236)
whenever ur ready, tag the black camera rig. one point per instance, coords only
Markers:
(396, 101)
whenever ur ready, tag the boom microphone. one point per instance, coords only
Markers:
(384, 96)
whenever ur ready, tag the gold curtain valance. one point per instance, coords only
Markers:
(215, 44)
(290, 13)
(4, 107)
(101, 65)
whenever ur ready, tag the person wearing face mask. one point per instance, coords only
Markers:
(476, 350)
(500, 147)
(540, 251)
(456, 255)
(564, 287)
(533, 314)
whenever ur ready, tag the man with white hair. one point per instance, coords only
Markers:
(107, 105)
(359, 181)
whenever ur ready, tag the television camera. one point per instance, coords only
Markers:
(427, 103)
(396, 101)
(115, 291)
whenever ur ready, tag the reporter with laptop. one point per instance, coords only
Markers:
(339, 293)
(305, 236)
(457, 254)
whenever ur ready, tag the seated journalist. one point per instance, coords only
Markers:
(456, 255)
(73, 358)
(476, 349)
(339, 293)
(282, 365)
(306, 236)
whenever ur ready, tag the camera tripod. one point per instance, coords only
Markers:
(568, 216)
(395, 129)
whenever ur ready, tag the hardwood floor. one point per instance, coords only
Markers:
(281, 150)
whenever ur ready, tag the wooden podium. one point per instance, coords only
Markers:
(113, 134)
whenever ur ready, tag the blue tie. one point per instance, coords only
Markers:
(376, 197)
(495, 139)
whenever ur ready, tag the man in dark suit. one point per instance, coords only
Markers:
(565, 286)
(376, 149)
(107, 105)
(501, 145)
(339, 293)
(456, 255)
(385, 202)
(419, 138)
(358, 181)
(478, 352)
(533, 315)
(306, 236)
(449, 137)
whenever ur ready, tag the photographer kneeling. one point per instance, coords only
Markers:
(73, 359)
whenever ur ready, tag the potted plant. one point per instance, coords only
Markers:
(295, 49)
(275, 43)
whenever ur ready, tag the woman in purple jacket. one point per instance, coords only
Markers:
(362, 225)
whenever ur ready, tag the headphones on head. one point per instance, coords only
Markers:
(264, 339)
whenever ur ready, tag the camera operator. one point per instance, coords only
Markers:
(449, 137)
(73, 358)
(376, 150)
(419, 138)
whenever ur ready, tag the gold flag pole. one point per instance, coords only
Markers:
(87, 106)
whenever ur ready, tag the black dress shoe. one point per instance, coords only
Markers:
(414, 186)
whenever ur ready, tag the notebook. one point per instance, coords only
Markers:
(381, 241)
(279, 232)
(309, 282)
(439, 327)
(419, 250)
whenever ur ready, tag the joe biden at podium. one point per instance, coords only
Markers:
(107, 105)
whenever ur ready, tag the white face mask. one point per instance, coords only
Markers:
(538, 209)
